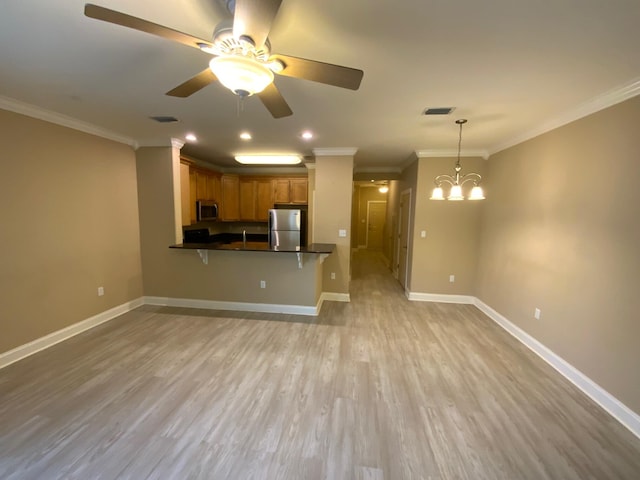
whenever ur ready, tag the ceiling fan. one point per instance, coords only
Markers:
(242, 59)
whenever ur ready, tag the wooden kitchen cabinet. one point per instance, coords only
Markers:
(247, 199)
(281, 190)
(291, 190)
(256, 198)
(185, 194)
(202, 185)
(298, 190)
(229, 207)
(193, 196)
(264, 198)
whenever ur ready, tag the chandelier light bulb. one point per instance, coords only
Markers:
(437, 194)
(455, 193)
(476, 193)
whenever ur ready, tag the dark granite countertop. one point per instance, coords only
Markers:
(254, 243)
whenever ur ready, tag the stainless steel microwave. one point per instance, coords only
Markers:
(206, 210)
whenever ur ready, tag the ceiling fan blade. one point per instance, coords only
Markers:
(117, 18)
(194, 84)
(253, 18)
(327, 73)
(274, 101)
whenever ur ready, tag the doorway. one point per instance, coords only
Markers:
(376, 218)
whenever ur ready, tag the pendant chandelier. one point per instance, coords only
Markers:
(456, 181)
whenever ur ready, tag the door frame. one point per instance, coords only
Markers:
(399, 237)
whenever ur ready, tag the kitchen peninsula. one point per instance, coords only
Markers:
(251, 279)
(251, 243)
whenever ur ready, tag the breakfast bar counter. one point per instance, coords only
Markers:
(257, 246)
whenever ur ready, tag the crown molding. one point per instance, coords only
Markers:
(334, 152)
(605, 100)
(377, 170)
(159, 142)
(452, 153)
(39, 113)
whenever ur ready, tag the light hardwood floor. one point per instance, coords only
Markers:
(379, 388)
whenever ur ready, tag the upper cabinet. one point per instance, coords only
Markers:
(291, 190)
(298, 190)
(185, 192)
(229, 207)
(239, 197)
(256, 198)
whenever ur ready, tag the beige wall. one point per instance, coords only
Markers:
(408, 183)
(70, 225)
(391, 225)
(355, 206)
(452, 231)
(561, 232)
(229, 276)
(333, 197)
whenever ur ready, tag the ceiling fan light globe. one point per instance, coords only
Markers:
(242, 75)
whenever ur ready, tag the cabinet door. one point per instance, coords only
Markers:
(264, 199)
(192, 196)
(298, 190)
(214, 189)
(281, 190)
(202, 186)
(247, 199)
(185, 194)
(230, 207)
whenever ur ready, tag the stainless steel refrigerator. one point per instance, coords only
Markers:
(286, 227)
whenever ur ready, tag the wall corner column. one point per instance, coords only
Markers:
(332, 213)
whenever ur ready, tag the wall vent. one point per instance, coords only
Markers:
(438, 111)
(164, 119)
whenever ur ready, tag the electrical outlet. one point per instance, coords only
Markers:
(536, 314)
(452, 278)
(333, 275)
(100, 291)
(342, 233)
(263, 284)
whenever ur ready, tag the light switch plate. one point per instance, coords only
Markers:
(423, 234)
(342, 233)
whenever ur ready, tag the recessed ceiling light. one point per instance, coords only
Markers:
(268, 159)
(245, 136)
(307, 135)
(190, 137)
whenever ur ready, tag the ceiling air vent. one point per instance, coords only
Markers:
(164, 119)
(438, 111)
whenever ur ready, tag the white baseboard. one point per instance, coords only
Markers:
(335, 297)
(615, 407)
(439, 297)
(18, 353)
(234, 306)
